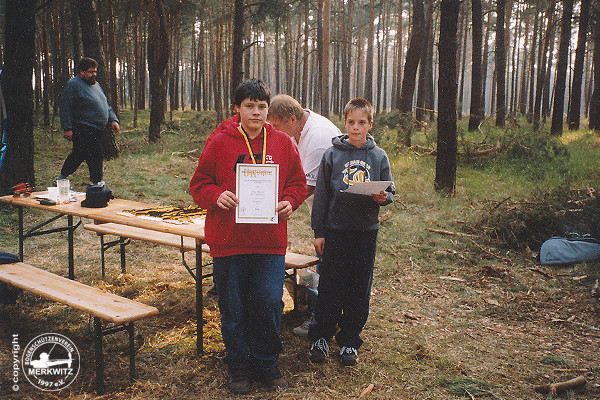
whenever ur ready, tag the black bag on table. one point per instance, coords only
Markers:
(8, 294)
(97, 197)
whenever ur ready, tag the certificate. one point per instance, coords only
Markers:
(257, 188)
(368, 188)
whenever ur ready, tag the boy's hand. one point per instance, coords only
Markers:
(284, 210)
(227, 200)
(380, 197)
(68, 135)
(319, 245)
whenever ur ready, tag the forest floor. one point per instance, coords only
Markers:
(454, 314)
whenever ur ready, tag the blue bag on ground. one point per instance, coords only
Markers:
(568, 250)
(8, 294)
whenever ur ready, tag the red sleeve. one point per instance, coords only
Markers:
(294, 190)
(203, 188)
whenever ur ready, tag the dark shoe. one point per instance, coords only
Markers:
(319, 351)
(302, 330)
(272, 378)
(348, 356)
(239, 383)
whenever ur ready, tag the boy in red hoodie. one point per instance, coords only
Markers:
(249, 259)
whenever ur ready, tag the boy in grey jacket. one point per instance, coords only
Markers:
(346, 227)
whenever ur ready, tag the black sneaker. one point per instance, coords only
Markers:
(272, 378)
(348, 356)
(239, 382)
(319, 351)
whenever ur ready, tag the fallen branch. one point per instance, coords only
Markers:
(559, 387)
(450, 233)
(505, 259)
(539, 271)
(366, 391)
(571, 370)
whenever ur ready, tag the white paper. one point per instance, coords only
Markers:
(257, 187)
(368, 188)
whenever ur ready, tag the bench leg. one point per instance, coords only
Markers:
(295, 285)
(122, 244)
(130, 331)
(102, 248)
(199, 302)
(100, 388)
(21, 238)
(71, 246)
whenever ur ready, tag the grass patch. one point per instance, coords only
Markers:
(466, 387)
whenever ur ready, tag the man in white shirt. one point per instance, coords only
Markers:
(312, 133)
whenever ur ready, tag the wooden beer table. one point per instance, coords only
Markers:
(69, 210)
(107, 214)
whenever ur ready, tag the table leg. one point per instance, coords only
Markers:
(21, 238)
(199, 301)
(71, 251)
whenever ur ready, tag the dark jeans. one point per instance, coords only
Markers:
(86, 147)
(346, 275)
(250, 289)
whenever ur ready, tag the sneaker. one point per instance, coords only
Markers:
(97, 184)
(319, 351)
(239, 382)
(272, 378)
(348, 356)
(302, 330)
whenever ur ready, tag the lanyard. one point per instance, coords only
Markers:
(264, 149)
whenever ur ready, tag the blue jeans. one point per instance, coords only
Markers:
(250, 290)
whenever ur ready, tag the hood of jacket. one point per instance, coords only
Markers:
(341, 142)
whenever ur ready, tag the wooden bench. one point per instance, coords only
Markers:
(293, 261)
(118, 311)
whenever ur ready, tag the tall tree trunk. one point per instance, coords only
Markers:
(46, 69)
(476, 113)
(325, 45)
(90, 37)
(347, 59)
(413, 57)
(17, 75)
(485, 65)
(522, 101)
(237, 45)
(573, 119)
(305, 55)
(595, 98)
(537, 28)
(368, 90)
(158, 58)
(500, 63)
(112, 59)
(445, 166)
(541, 78)
(399, 59)
(561, 69)
(425, 69)
(462, 51)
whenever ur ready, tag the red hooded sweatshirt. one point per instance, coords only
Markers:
(215, 173)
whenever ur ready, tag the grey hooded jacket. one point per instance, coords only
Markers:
(341, 166)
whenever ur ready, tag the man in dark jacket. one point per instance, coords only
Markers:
(84, 113)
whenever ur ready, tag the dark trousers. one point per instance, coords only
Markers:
(346, 275)
(250, 289)
(86, 147)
